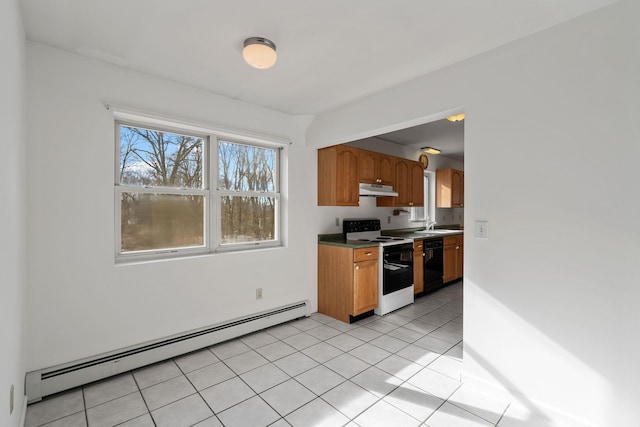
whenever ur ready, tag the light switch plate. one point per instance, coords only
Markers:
(482, 229)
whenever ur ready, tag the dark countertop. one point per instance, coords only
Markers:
(408, 233)
(412, 233)
(339, 240)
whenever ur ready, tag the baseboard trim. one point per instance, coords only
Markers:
(54, 379)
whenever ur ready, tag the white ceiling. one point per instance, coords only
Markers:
(442, 134)
(330, 52)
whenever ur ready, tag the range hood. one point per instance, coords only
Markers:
(376, 190)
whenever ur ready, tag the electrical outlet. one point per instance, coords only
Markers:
(259, 293)
(11, 390)
(388, 220)
(337, 222)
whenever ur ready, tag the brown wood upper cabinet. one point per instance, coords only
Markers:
(417, 184)
(338, 176)
(449, 188)
(342, 168)
(409, 184)
(375, 168)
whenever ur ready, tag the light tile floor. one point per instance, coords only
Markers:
(402, 369)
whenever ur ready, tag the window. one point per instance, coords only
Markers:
(428, 212)
(173, 184)
(247, 193)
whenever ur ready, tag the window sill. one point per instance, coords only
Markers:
(155, 258)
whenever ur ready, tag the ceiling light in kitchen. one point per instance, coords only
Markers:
(456, 118)
(259, 52)
(430, 150)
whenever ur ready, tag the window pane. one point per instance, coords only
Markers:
(154, 158)
(246, 168)
(247, 219)
(161, 221)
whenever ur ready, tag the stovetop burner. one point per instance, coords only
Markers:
(369, 231)
(382, 239)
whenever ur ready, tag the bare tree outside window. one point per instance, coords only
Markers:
(247, 183)
(155, 216)
(160, 159)
(167, 200)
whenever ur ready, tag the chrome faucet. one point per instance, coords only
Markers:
(429, 224)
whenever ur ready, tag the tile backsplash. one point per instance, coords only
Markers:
(446, 216)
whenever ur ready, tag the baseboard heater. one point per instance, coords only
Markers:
(62, 377)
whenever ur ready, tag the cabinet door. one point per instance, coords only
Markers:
(367, 167)
(453, 258)
(461, 189)
(347, 189)
(450, 263)
(417, 185)
(450, 258)
(449, 188)
(459, 258)
(365, 286)
(402, 182)
(386, 169)
(457, 189)
(418, 267)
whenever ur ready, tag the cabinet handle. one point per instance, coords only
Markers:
(410, 203)
(457, 247)
(357, 267)
(368, 253)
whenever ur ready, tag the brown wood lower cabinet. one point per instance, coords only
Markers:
(347, 281)
(453, 257)
(418, 266)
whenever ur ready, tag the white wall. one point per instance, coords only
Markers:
(80, 302)
(551, 149)
(12, 210)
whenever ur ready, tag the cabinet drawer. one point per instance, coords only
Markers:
(417, 246)
(365, 254)
(458, 239)
(448, 241)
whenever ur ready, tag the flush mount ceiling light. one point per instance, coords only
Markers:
(259, 52)
(430, 150)
(456, 118)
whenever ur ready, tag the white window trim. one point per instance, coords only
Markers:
(219, 193)
(212, 223)
(429, 200)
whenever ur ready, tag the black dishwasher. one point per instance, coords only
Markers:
(433, 265)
